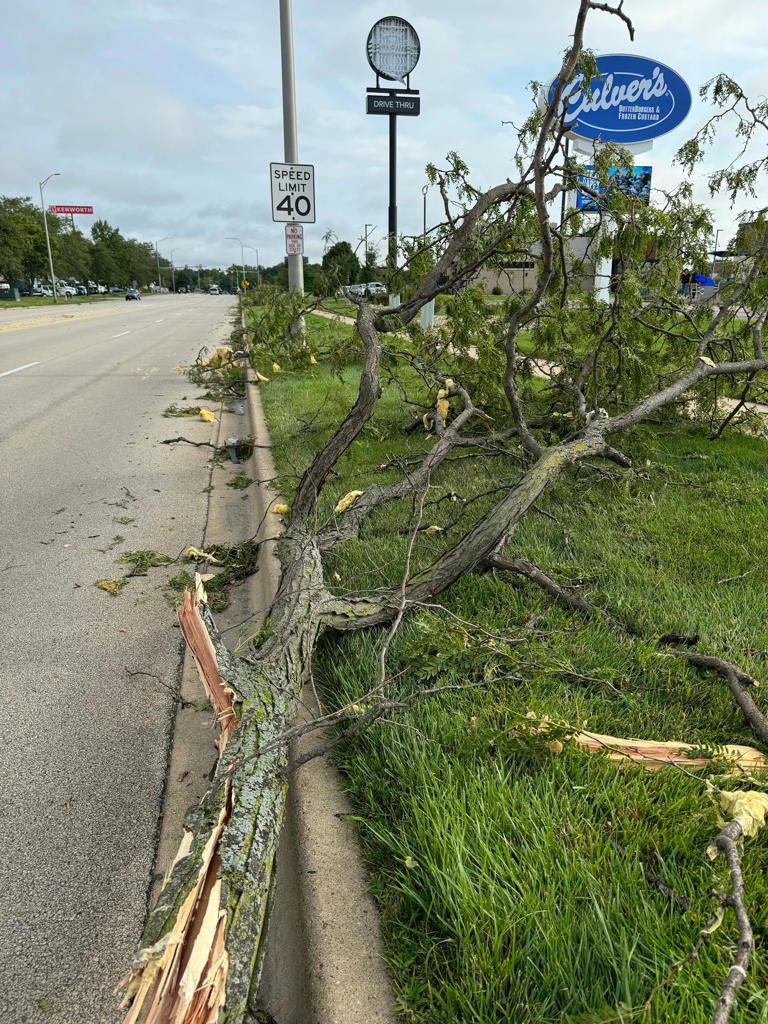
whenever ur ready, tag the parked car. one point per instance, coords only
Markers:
(116, 290)
(132, 293)
(81, 289)
(67, 290)
(376, 288)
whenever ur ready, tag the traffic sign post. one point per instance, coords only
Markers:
(294, 239)
(293, 193)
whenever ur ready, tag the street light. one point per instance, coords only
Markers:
(258, 270)
(173, 275)
(157, 256)
(234, 238)
(55, 174)
(424, 190)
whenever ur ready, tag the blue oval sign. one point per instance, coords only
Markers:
(634, 100)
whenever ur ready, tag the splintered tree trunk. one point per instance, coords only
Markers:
(200, 955)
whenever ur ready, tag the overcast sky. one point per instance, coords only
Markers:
(164, 115)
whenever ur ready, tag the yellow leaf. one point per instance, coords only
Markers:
(261, 377)
(111, 586)
(442, 407)
(442, 393)
(280, 509)
(276, 367)
(449, 383)
(555, 746)
(425, 420)
(221, 357)
(337, 577)
(207, 416)
(347, 500)
(707, 360)
(434, 529)
(313, 360)
(410, 863)
(197, 553)
(748, 807)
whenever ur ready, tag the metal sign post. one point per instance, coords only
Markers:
(393, 51)
(290, 134)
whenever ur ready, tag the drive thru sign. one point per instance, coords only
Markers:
(293, 192)
(294, 239)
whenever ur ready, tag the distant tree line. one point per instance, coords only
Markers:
(106, 257)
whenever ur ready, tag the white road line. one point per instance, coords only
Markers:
(120, 334)
(26, 366)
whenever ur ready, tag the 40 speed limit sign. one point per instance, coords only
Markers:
(293, 193)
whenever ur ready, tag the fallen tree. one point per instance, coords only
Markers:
(608, 366)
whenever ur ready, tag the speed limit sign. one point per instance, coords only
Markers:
(293, 193)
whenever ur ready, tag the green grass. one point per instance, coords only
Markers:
(511, 880)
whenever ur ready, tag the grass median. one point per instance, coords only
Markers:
(517, 884)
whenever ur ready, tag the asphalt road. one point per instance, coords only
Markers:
(84, 744)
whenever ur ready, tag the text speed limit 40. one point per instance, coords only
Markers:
(293, 193)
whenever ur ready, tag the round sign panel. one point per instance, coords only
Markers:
(393, 49)
(634, 99)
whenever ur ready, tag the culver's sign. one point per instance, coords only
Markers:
(634, 99)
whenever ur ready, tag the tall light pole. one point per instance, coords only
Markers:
(424, 190)
(290, 134)
(258, 271)
(173, 275)
(55, 174)
(234, 238)
(714, 254)
(157, 257)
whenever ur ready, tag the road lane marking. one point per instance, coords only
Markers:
(26, 366)
(120, 334)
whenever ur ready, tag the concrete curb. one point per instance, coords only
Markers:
(324, 961)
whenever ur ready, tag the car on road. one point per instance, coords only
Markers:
(132, 293)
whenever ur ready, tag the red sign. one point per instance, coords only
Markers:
(294, 239)
(70, 209)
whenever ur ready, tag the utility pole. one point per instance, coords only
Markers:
(290, 135)
(366, 242)
(55, 174)
(173, 274)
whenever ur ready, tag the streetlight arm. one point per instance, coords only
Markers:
(55, 174)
